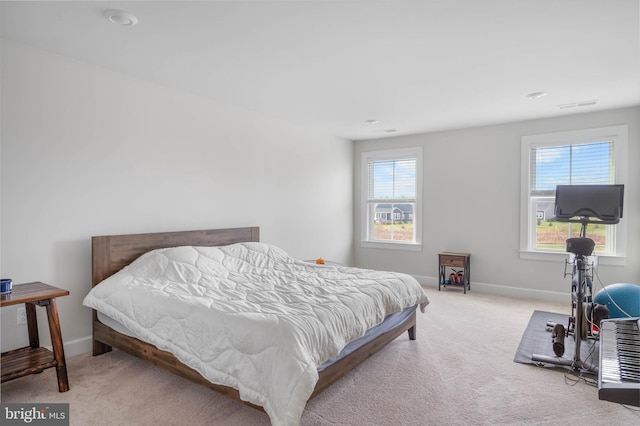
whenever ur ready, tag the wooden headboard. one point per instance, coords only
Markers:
(111, 253)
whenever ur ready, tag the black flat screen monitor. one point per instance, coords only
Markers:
(603, 202)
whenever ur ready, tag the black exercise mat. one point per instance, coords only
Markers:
(537, 340)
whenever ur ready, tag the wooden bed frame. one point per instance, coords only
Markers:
(112, 253)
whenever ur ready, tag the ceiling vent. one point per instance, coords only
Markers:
(578, 104)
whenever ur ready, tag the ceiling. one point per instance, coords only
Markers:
(415, 66)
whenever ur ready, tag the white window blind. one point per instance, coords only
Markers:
(574, 164)
(392, 180)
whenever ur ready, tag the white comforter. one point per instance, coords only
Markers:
(251, 317)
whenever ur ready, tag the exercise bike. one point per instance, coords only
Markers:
(584, 322)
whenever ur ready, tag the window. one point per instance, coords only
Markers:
(391, 191)
(593, 156)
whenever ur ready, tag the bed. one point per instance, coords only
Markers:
(110, 254)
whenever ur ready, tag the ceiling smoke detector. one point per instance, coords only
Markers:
(120, 17)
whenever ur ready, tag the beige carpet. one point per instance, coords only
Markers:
(459, 371)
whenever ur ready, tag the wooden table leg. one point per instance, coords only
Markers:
(32, 325)
(56, 343)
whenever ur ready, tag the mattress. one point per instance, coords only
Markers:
(391, 321)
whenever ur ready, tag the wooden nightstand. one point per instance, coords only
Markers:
(33, 358)
(455, 261)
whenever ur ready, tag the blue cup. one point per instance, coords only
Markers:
(5, 286)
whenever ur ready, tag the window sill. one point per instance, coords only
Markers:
(391, 245)
(561, 257)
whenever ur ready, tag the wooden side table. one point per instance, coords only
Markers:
(454, 260)
(33, 358)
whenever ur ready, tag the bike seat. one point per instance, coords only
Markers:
(580, 246)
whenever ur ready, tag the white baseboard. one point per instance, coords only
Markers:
(521, 293)
(76, 347)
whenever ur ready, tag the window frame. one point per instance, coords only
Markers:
(619, 135)
(391, 155)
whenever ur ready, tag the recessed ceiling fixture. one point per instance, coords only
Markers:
(371, 122)
(120, 17)
(578, 104)
(536, 95)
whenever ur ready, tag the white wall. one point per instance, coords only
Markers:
(86, 151)
(472, 204)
